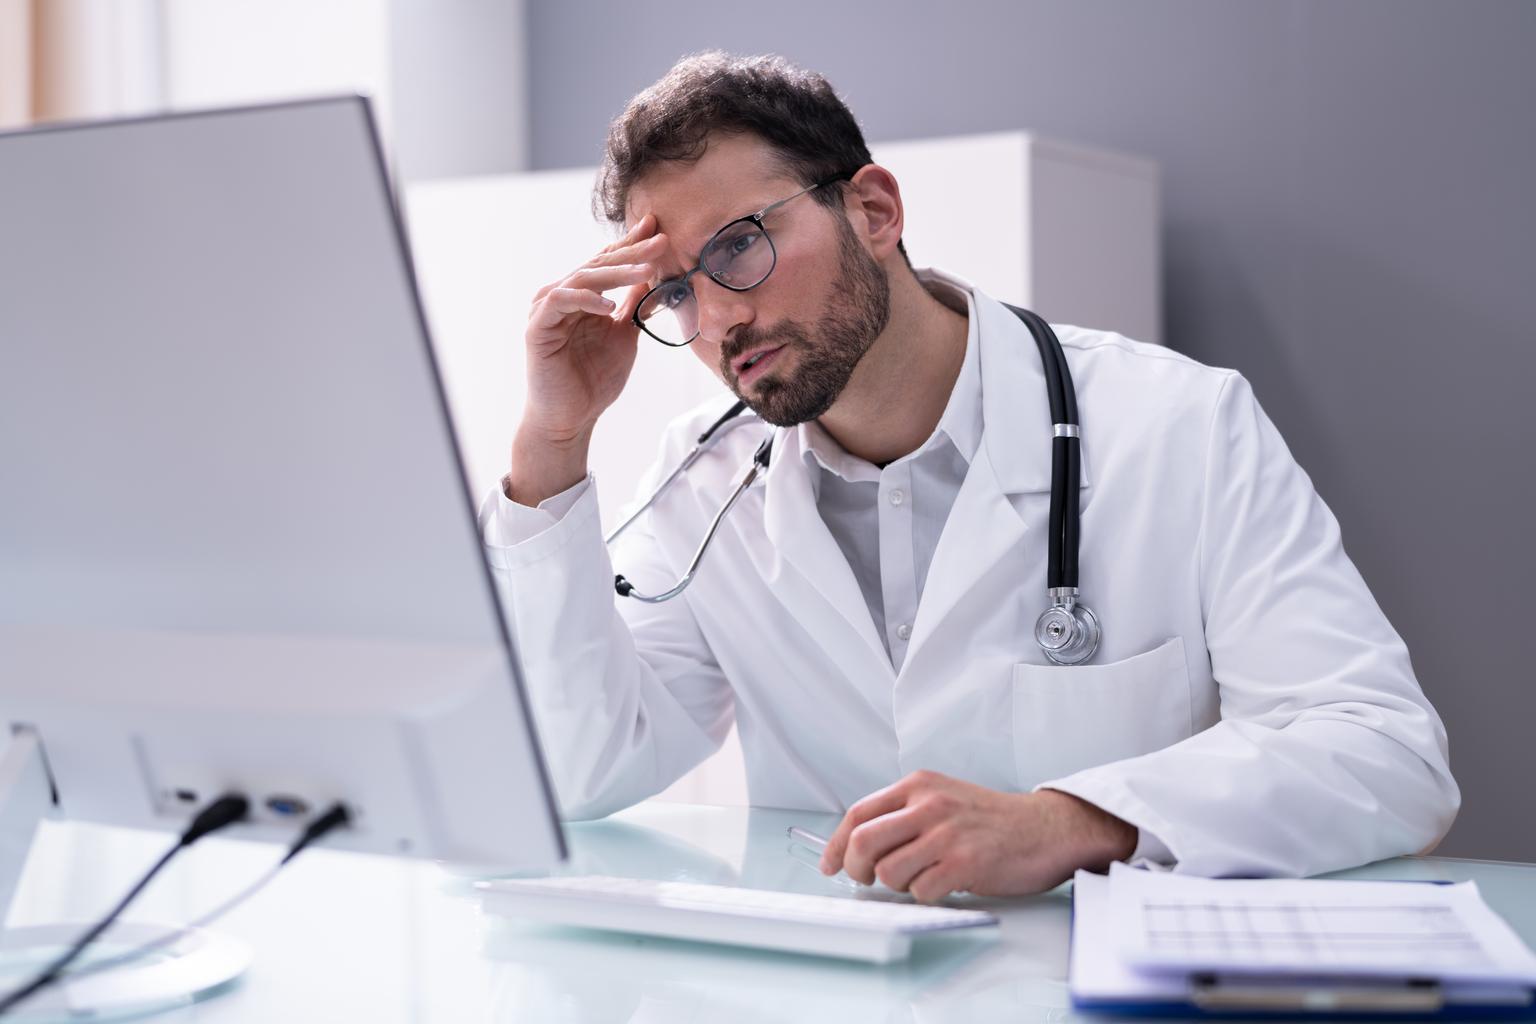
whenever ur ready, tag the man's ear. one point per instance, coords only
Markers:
(874, 198)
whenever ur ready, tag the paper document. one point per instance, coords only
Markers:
(1100, 978)
(1315, 927)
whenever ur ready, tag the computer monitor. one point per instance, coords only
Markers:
(237, 551)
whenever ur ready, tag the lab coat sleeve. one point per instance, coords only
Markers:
(1327, 754)
(624, 705)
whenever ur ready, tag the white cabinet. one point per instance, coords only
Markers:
(1068, 231)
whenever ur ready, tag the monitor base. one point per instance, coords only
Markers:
(193, 965)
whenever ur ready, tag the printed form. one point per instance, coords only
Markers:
(1170, 923)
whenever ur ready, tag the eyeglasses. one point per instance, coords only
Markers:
(739, 256)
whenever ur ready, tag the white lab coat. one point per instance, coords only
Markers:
(1249, 705)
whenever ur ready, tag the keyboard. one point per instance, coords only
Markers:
(831, 926)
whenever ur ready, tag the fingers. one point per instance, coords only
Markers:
(562, 302)
(636, 244)
(875, 842)
(899, 868)
(636, 230)
(581, 293)
(630, 260)
(937, 881)
(600, 279)
(646, 250)
(632, 301)
(882, 801)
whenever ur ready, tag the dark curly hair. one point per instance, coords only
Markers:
(795, 111)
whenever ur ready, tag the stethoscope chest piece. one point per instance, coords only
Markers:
(1067, 632)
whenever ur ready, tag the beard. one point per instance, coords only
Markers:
(841, 337)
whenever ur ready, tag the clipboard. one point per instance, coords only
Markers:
(1099, 982)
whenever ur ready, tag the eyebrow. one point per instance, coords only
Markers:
(694, 262)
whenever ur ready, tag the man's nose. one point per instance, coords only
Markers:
(720, 311)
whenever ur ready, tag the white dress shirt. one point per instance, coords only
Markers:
(888, 521)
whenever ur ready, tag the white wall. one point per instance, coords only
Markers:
(245, 51)
(459, 87)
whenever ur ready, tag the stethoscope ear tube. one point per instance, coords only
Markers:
(725, 417)
(700, 446)
(759, 463)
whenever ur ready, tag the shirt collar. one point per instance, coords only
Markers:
(961, 423)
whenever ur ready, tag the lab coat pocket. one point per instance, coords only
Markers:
(1066, 718)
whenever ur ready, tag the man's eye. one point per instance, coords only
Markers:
(674, 296)
(727, 249)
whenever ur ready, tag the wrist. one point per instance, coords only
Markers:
(1100, 838)
(533, 436)
(545, 464)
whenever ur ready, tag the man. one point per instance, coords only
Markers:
(866, 610)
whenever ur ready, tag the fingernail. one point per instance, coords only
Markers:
(608, 303)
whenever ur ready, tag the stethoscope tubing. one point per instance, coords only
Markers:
(1068, 632)
(726, 423)
(1066, 455)
(757, 465)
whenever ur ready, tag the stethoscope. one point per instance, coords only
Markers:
(1068, 631)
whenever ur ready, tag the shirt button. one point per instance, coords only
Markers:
(904, 631)
(897, 497)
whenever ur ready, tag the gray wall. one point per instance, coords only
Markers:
(1349, 222)
(459, 86)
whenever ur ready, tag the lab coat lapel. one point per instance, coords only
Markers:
(810, 575)
(1016, 413)
(982, 535)
(1006, 493)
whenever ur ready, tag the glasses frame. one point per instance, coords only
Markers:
(773, 251)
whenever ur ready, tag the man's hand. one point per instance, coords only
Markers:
(932, 835)
(580, 349)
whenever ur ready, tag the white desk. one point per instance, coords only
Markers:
(346, 937)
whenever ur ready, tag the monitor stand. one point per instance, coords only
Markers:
(196, 963)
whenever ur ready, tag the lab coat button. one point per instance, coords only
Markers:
(904, 631)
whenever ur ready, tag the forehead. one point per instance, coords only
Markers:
(737, 175)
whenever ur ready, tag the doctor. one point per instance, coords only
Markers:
(866, 611)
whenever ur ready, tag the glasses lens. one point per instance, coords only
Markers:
(669, 313)
(740, 256)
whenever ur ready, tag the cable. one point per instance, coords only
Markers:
(331, 820)
(222, 812)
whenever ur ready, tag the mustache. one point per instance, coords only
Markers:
(788, 335)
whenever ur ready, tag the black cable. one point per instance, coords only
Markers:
(331, 820)
(222, 812)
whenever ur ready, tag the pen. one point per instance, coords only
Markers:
(806, 837)
(806, 847)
